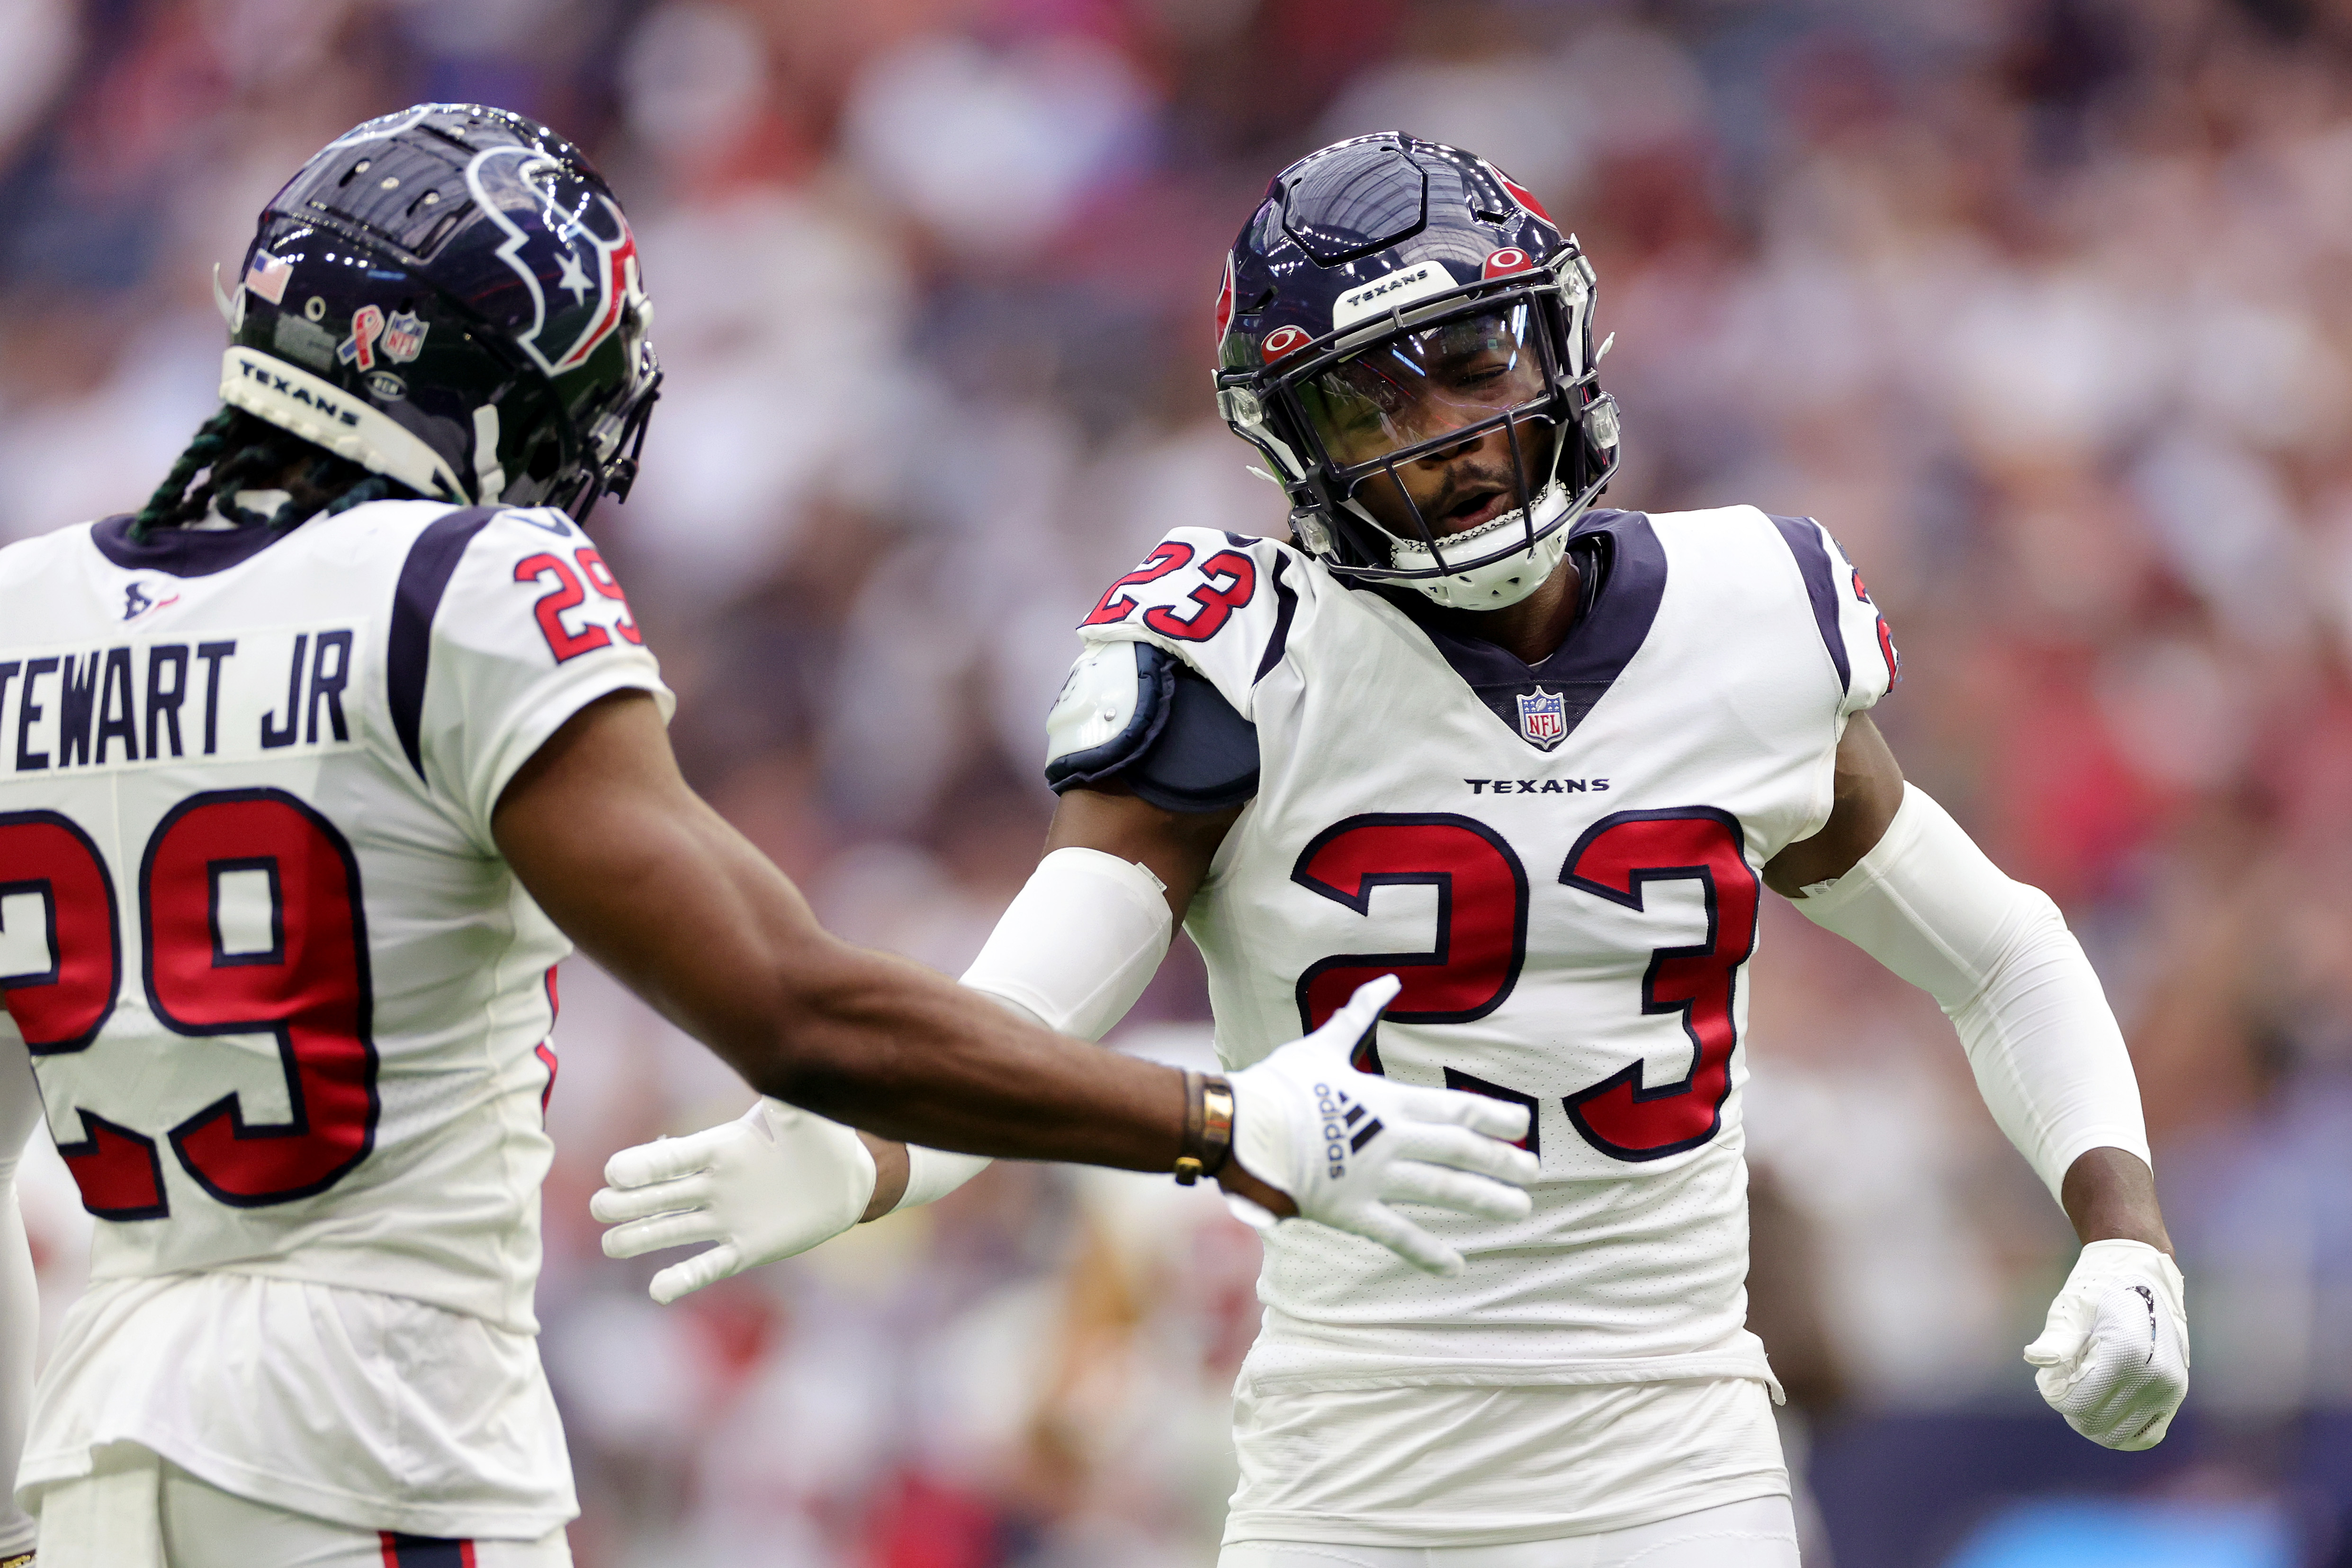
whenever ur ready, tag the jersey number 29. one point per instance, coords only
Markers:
(308, 987)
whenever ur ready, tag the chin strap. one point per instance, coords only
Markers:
(1592, 555)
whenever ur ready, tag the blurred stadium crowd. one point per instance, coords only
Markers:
(2044, 306)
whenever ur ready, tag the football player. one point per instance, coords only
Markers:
(308, 770)
(1539, 761)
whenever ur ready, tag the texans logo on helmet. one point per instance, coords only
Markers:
(598, 271)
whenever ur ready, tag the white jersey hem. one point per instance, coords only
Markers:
(331, 1504)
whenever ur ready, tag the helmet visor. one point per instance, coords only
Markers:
(1419, 386)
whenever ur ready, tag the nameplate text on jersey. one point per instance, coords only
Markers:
(260, 693)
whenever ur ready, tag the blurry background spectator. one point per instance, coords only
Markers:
(2044, 306)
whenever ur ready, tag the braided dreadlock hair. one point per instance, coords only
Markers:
(235, 451)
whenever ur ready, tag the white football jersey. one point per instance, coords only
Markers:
(287, 1006)
(1562, 864)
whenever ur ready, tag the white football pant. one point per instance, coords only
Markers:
(137, 1510)
(1760, 1533)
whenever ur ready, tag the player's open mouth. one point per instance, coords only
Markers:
(1479, 507)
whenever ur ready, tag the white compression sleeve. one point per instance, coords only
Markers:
(1073, 951)
(1996, 956)
(20, 1299)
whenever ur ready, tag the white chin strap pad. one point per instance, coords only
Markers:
(1490, 581)
(1996, 956)
(1073, 952)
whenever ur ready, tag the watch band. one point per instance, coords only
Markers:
(1208, 1128)
(23, 1560)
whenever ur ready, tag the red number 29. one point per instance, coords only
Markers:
(568, 595)
(309, 987)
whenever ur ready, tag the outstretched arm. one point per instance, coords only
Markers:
(1073, 952)
(654, 884)
(1892, 872)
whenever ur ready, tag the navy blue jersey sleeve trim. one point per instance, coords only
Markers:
(423, 578)
(1803, 536)
(1286, 605)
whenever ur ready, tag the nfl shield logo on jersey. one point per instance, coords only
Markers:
(1543, 718)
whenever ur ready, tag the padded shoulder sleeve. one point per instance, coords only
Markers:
(1856, 635)
(1129, 711)
(506, 623)
(1223, 603)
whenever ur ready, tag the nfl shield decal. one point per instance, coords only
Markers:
(1543, 718)
(404, 336)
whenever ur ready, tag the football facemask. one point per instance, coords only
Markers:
(1395, 303)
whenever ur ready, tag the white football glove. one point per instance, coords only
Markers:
(2113, 1356)
(776, 1181)
(1345, 1144)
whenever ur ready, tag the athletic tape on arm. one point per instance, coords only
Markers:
(1996, 956)
(1073, 952)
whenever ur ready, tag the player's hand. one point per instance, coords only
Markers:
(2113, 1356)
(1345, 1144)
(776, 1181)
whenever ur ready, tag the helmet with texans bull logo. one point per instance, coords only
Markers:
(1392, 302)
(446, 301)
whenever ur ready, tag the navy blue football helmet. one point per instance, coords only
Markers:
(450, 297)
(1393, 298)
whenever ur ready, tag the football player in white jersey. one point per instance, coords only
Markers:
(307, 771)
(1539, 761)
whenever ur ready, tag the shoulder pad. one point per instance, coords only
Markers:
(1111, 709)
(1206, 755)
(1134, 712)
